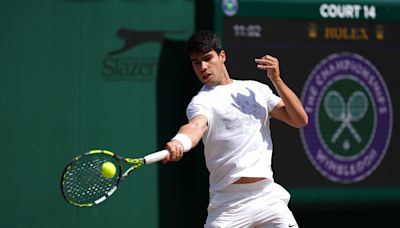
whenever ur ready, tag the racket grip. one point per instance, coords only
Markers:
(155, 157)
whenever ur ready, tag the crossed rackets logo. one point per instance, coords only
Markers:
(350, 117)
(339, 111)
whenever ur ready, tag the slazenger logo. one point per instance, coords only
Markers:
(123, 67)
(350, 117)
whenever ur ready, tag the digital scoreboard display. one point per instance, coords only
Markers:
(343, 62)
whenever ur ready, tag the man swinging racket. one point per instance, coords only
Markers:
(232, 119)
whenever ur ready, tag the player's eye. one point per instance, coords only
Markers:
(196, 63)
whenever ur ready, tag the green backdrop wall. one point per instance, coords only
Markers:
(78, 75)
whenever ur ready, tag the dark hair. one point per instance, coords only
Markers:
(203, 41)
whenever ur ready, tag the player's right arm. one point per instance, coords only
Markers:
(194, 130)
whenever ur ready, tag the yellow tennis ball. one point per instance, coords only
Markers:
(108, 169)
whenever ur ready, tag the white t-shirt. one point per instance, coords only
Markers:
(238, 141)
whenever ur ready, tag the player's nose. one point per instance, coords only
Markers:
(203, 66)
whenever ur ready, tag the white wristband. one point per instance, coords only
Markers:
(185, 140)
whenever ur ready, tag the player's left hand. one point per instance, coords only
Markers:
(271, 65)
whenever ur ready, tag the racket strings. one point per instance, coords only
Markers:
(83, 181)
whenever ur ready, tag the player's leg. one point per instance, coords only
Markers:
(277, 214)
(235, 205)
(228, 209)
(227, 217)
(281, 218)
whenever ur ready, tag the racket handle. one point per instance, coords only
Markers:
(155, 157)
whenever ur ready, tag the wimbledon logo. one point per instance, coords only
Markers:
(350, 117)
(230, 7)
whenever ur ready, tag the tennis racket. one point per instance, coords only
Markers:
(83, 183)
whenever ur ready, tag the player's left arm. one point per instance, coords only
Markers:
(290, 109)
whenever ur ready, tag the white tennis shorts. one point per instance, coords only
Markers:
(262, 204)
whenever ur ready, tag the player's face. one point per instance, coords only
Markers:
(209, 67)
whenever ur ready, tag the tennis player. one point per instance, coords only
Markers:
(232, 119)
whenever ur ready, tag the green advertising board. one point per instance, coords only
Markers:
(76, 76)
(340, 57)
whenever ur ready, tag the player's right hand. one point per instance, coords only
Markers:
(175, 149)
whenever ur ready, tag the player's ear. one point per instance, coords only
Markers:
(222, 56)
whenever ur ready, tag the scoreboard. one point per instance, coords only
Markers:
(342, 59)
